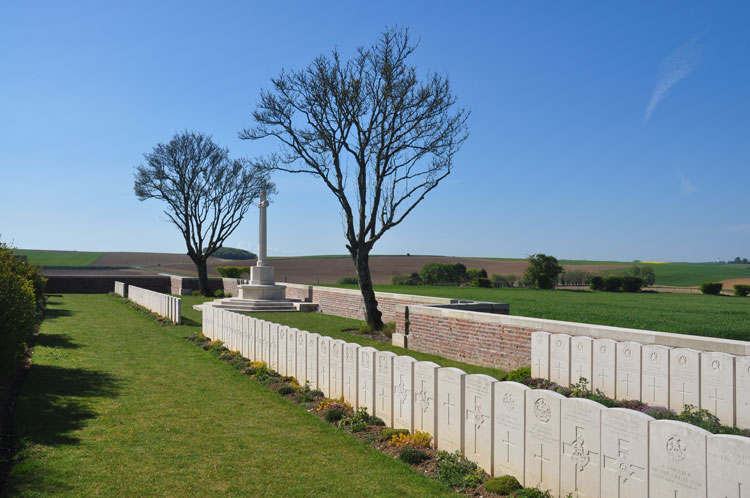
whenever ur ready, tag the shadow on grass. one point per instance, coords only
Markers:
(51, 407)
(56, 341)
(53, 313)
(190, 323)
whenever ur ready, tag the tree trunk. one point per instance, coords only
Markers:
(372, 314)
(202, 277)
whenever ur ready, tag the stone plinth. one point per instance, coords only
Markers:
(262, 292)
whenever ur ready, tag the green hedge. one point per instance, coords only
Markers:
(712, 288)
(741, 290)
(22, 303)
(232, 271)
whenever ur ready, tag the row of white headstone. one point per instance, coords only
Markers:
(654, 374)
(565, 445)
(161, 304)
(121, 289)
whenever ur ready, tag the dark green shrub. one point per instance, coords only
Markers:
(412, 456)
(389, 328)
(18, 308)
(612, 283)
(334, 415)
(195, 293)
(631, 283)
(660, 412)
(219, 293)
(741, 290)
(712, 288)
(232, 271)
(387, 434)
(377, 421)
(284, 390)
(365, 329)
(645, 272)
(542, 271)
(596, 283)
(481, 282)
(519, 374)
(348, 281)
(455, 471)
(475, 273)
(503, 485)
(412, 279)
(442, 273)
(357, 422)
(503, 280)
(574, 277)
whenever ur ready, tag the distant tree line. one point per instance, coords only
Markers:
(740, 261)
(234, 253)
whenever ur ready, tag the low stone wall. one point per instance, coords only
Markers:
(565, 445)
(101, 284)
(504, 341)
(185, 285)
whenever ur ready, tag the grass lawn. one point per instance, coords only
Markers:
(116, 405)
(692, 274)
(695, 314)
(60, 258)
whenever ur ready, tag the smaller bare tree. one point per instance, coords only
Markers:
(206, 192)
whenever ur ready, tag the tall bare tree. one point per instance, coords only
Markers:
(206, 192)
(377, 136)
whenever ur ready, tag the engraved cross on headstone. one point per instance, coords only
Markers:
(683, 392)
(716, 399)
(424, 402)
(654, 386)
(627, 383)
(508, 444)
(577, 452)
(402, 393)
(478, 417)
(622, 467)
(542, 461)
(382, 397)
(448, 406)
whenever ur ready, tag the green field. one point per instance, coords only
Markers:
(692, 274)
(694, 314)
(60, 258)
(116, 405)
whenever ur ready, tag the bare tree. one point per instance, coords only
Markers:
(378, 137)
(206, 192)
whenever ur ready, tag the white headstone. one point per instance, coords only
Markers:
(351, 374)
(245, 337)
(559, 359)
(267, 343)
(581, 360)
(291, 353)
(425, 396)
(324, 365)
(543, 448)
(540, 355)
(273, 346)
(684, 378)
(301, 353)
(450, 408)
(742, 417)
(624, 453)
(384, 386)
(510, 429)
(728, 466)
(366, 383)
(336, 376)
(605, 362)
(403, 389)
(283, 332)
(677, 459)
(580, 463)
(628, 370)
(312, 360)
(259, 340)
(479, 404)
(717, 385)
(655, 375)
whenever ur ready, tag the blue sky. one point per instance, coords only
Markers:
(598, 130)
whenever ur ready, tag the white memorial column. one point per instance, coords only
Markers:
(262, 254)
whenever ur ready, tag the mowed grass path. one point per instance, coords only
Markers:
(115, 405)
(727, 317)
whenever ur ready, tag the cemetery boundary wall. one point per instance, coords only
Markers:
(161, 304)
(102, 284)
(565, 445)
(477, 333)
